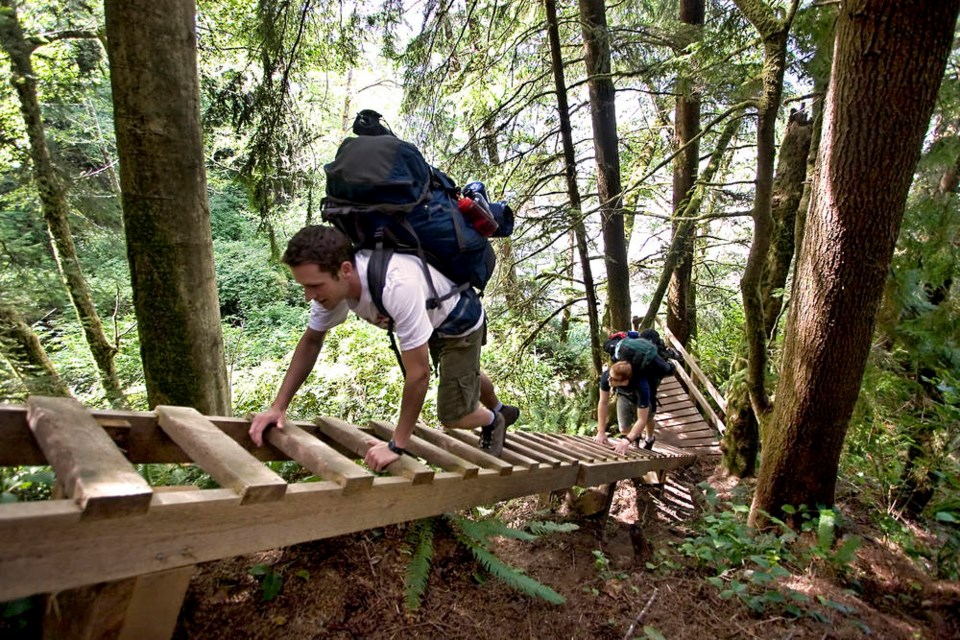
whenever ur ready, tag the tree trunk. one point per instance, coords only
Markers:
(741, 442)
(603, 112)
(888, 64)
(573, 191)
(153, 71)
(824, 50)
(22, 349)
(53, 202)
(787, 192)
(774, 34)
(681, 300)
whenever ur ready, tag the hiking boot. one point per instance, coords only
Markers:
(648, 444)
(510, 414)
(493, 435)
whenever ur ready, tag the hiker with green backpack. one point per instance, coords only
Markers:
(640, 362)
(633, 407)
(402, 254)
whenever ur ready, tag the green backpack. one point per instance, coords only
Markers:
(639, 352)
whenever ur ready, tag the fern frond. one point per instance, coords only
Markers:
(510, 576)
(483, 530)
(418, 569)
(539, 528)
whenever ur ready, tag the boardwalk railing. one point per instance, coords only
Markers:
(695, 381)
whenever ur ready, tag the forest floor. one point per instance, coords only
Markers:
(609, 570)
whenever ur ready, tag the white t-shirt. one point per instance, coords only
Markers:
(405, 296)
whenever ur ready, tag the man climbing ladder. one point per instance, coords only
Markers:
(334, 279)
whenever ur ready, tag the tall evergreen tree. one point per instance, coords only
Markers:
(603, 112)
(888, 65)
(153, 62)
(681, 301)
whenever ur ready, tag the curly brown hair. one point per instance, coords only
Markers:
(324, 246)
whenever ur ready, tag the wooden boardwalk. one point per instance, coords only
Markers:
(110, 524)
(118, 554)
(680, 423)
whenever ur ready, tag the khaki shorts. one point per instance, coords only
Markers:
(458, 362)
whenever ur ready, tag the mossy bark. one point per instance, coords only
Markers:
(888, 65)
(681, 298)
(22, 349)
(153, 69)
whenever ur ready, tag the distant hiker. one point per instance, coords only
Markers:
(649, 362)
(633, 407)
(333, 274)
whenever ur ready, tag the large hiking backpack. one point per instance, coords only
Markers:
(637, 351)
(384, 195)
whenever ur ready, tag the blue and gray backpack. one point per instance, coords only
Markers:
(384, 196)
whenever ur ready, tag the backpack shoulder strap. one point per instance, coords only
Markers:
(376, 279)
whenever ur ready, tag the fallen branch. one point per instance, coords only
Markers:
(646, 608)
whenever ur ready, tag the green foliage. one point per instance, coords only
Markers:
(420, 538)
(271, 582)
(719, 341)
(746, 564)
(475, 535)
(25, 483)
(176, 475)
(248, 284)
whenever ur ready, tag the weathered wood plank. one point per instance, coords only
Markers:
(87, 612)
(186, 528)
(595, 473)
(689, 410)
(706, 409)
(670, 422)
(603, 452)
(695, 369)
(508, 455)
(219, 455)
(359, 442)
(17, 444)
(463, 450)
(519, 445)
(320, 458)
(85, 460)
(584, 451)
(675, 403)
(548, 449)
(429, 452)
(155, 604)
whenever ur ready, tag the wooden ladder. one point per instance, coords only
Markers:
(118, 554)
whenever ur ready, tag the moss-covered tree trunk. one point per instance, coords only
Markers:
(53, 201)
(681, 299)
(153, 69)
(603, 113)
(888, 64)
(787, 192)
(773, 31)
(741, 442)
(22, 349)
(688, 219)
(573, 191)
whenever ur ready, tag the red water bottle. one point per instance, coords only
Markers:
(478, 215)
